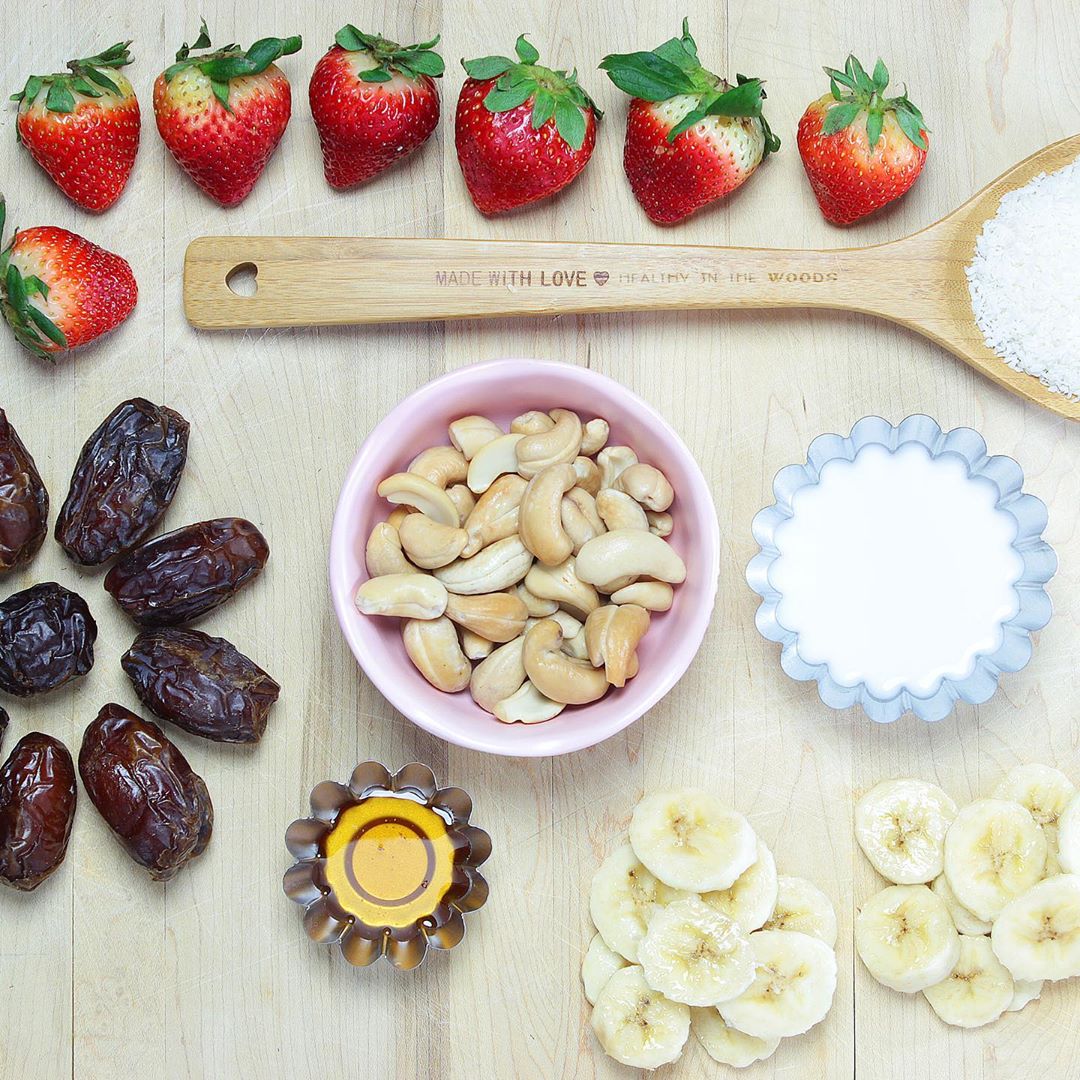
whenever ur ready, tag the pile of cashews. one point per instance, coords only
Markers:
(538, 552)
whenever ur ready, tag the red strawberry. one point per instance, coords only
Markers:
(82, 126)
(223, 113)
(860, 148)
(374, 102)
(523, 132)
(60, 291)
(691, 137)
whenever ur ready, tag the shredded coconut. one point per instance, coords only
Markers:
(1025, 280)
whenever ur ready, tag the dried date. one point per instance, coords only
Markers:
(202, 684)
(37, 807)
(146, 791)
(177, 577)
(4, 720)
(125, 479)
(24, 502)
(47, 638)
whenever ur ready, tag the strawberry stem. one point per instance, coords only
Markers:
(855, 92)
(411, 61)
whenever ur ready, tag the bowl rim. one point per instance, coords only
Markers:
(692, 632)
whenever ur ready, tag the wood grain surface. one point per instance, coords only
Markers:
(105, 974)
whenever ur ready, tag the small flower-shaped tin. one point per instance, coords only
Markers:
(902, 568)
(387, 865)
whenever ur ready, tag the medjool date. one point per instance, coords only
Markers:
(47, 638)
(37, 806)
(124, 481)
(146, 791)
(202, 684)
(24, 502)
(177, 577)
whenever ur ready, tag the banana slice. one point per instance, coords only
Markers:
(726, 1045)
(623, 897)
(690, 840)
(977, 991)
(962, 919)
(1042, 790)
(1068, 837)
(693, 954)
(750, 901)
(637, 1025)
(1037, 936)
(792, 989)
(599, 965)
(906, 938)
(901, 827)
(801, 906)
(994, 851)
(1024, 993)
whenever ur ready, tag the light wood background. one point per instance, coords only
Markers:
(105, 974)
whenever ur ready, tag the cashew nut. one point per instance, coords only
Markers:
(408, 489)
(561, 444)
(593, 437)
(407, 596)
(540, 518)
(533, 422)
(469, 433)
(537, 608)
(628, 553)
(382, 554)
(463, 500)
(442, 465)
(588, 474)
(651, 595)
(497, 567)
(492, 460)
(555, 674)
(612, 635)
(661, 524)
(398, 515)
(475, 647)
(647, 485)
(430, 544)
(612, 461)
(578, 527)
(495, 616)
(495, 515)
(562, 584)
(527, 706)
(571, 627)
(620, 511)
(576, 645)
(434, 649)
(499, 676)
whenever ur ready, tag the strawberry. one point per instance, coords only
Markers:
(860, 148)
(82, 126)
(523, 132)
(691, 137)
(60, 291)
(223, 113)
(374, 102)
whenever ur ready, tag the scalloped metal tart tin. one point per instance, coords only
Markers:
(387, 865)
(902, 568)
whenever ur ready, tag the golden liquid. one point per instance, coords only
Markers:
(389, 861)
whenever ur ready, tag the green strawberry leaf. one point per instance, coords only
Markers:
(84, 87)
(647, 75)
(350, 39)
(60, 99)
(221, 92)
(571, 124)
(911, 126)
(16, 289)
(203, 40)
(881, 75)
(376, 75)
(46, 326)
(34, 284)
(425, 62)
(504, 100)
(840, 116)
(543, 108)
(103, 80)
(526, 51)
(875, 120)
(487, 67)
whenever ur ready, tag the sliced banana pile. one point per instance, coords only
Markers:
(984, 903)
(696, 932)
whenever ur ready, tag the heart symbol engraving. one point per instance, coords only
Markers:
(601, 277)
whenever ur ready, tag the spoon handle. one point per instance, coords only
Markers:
(303, 281)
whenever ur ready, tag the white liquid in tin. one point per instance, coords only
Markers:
(897, 570)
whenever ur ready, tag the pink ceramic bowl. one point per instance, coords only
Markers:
(502, 390)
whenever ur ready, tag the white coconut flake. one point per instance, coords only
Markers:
(1025, 280)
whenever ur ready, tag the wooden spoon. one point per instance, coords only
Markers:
(918, 281)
